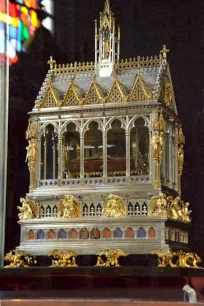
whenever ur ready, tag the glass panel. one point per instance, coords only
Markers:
(139, 148)
(116, 150)
(93, 151)
(71, 152)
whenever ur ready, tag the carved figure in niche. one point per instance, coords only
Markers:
(158, 206)
(31, 152)
(180, 159)
(69, 207)
(31, 130)
(114, 206)
(157, 145)
(29, 209)
(106, 43)
(175, 209)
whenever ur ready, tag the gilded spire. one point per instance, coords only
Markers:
(107, 8)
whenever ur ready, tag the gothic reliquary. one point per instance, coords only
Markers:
(105, 155)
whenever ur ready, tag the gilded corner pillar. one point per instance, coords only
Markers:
(38, 166)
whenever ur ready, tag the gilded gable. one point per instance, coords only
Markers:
(71, 98)
(139, 92)
(49, 99)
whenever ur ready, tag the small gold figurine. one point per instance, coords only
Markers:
(19, 259)
(28, 210)
(112, 257)
(69, 207)
(180, 158)
(114, 206)
(61, 259)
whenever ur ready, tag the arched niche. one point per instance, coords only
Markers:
(116, 150)
(93, 151)
(139, 148)
(71, 152)
(49, 153)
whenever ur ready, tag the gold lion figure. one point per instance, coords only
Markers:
(28, 210)
(158, 206)
(188, 260)
(69, 207)
(114, 206)
(61, 259)
(165, 259)
(112, 257)
(19, 259)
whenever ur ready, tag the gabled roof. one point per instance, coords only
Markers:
(94, 95)
(73, 95)
(49, 99)
(117, 93)
(140, 91)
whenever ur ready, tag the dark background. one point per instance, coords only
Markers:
(145, 26)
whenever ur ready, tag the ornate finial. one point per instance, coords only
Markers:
(164, 52)
(51, 62)
(107, 7)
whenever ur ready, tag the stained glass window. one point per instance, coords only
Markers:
(22, 23)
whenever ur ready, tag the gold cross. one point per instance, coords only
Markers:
(164, 51)
(51, 62)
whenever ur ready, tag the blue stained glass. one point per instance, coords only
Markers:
(13, 32)
(141, 232)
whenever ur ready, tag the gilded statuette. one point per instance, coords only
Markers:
(28, 210)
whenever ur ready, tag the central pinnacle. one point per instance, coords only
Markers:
(107, 7)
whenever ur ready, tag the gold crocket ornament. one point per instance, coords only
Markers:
(19, 259)
(63, 259)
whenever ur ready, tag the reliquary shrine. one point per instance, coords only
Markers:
(105, 155)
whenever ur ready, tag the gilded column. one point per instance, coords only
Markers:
(38, 168)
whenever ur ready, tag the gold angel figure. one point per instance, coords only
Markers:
(69, 207)
(158, 206)
(157, 145)
(180, 158)
(63, 259)
(28, 210)
(186, 213)
(114, 206)
(112, 257)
